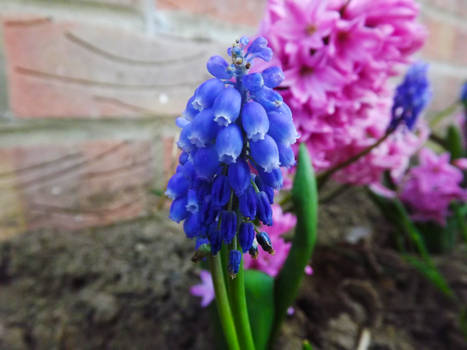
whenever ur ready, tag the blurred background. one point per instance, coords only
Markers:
(89, 91)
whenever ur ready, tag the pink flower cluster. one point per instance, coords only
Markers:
(431, 186)
(337, 57)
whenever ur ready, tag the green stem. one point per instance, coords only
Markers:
(442, 114)
(324, 177)
(240, 310)
(438, 140)
(222, 302)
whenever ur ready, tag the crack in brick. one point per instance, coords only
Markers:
(98, 51)
(102, 84)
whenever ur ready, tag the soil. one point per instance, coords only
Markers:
(126, 287)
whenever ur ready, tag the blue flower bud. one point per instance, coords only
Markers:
(255, 121)
(203, 129)
(178, 210)
(247, 203)
(263, 187)
(181, 122)
(282, 128)
(265, 242)
(229, 144)
(218, 67)
(201, 241)
(228, 225)
(227, 106)
(220, 193)
(192, 225)
(286, 155)
(190, 112)
(183, 142)
(259, 48)
(268, 98)
(265, 153)
(215, 237)
(253, 81)
(244, 41)
(264, 210)
(272, 179)
(207, 93)
(246, 235)
(184, 157)
(235, 258)
(239, 176)
(253, 251)
(463, 94)
(273, 76)
(177, 186)
(206, 162)
(208, 211)
(192, 204)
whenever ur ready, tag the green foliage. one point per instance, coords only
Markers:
(306, 345)
(260, 300)
(453, 142)
(305, 203)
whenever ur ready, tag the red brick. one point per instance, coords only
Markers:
(74, 186)
(446, 89)
(64, 69)
(236, 12)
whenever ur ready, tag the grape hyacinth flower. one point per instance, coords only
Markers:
(236, 133)
(411, 97)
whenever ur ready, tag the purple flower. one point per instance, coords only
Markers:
(205, 289)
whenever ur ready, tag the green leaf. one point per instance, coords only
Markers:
(306, 345)
(454, 142)
(259, 289)
(305, 202)
(431, 273)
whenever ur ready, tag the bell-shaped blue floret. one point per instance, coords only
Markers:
(215, 237)
(178, 210)
(190, 112)
(259, 48)
(206, 93)
(247, 203)
(246, 235)
(273, 76)
(220, 193)
(272, 179)
(177, 186)
(192, 225)
(265, 153)
(255, 121)
(181, 122)
(253, 251)
(201, 241)
(229, 144)
(253, 81)
(206, 162)
(268, 98)
(227, 106)
(265, 188)
(208, 211)
(203, 129)
(286, 155)
(184, 157)
(228, 225)
(183, 142)
(219, 67)
(264, 210)
(265, 242)
(282, 128)
(192, 204)
(239, 176)
(235, 258)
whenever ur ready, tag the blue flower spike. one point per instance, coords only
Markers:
(236, 134)
(411, 97)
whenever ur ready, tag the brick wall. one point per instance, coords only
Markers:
(89, 90)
